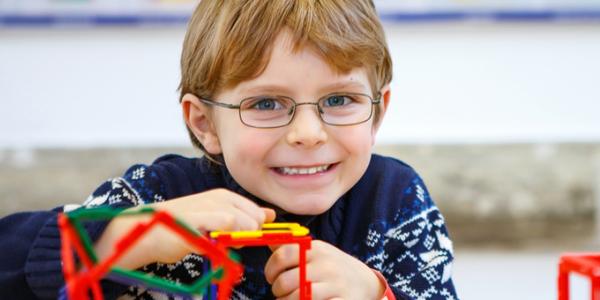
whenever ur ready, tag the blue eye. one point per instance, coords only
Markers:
(337, 100)
(265, 104)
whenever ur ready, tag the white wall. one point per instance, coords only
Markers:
(86, 87)
(482, 82)
(462, 82)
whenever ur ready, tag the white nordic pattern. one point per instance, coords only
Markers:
(419, 242)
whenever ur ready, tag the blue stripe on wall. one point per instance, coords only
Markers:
(43, 20)
(500, 16)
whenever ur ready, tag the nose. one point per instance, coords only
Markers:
(306, 130)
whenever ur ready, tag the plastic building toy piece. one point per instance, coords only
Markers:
(294, 228)
(227, 270)
(273, 234)
(223, 271)
(586, 264)
(70, 240)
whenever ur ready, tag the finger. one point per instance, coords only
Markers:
(242, 221)
(209, 221)
(249, 207)
(286, 282)
(283, 258)
(228, 219)
(274, 247)
(319, 290)
(224, 217)
(269, 214)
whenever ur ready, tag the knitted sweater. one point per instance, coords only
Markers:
(387, 220)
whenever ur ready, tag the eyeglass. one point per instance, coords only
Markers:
(339, 109)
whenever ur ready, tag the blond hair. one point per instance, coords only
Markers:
(229, 41)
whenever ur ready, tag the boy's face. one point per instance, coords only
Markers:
(268, 162)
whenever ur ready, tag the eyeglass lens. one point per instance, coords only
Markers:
(275, 111)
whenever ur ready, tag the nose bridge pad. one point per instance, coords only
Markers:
(319, 109)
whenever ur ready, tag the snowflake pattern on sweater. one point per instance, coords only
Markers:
(426, 260)
(412, 250)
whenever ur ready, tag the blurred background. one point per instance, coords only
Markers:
(495, 103)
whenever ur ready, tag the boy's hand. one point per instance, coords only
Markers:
(218, 209)
(333, 274)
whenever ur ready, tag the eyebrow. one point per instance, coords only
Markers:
(268, 88)
(279, 89)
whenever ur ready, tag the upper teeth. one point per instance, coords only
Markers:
(312, 170)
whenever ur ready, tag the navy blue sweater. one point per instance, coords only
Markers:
(387, 220)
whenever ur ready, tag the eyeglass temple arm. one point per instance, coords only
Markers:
(226, 105)
(377, 99)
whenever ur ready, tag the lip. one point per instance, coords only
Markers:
(306, 180)
(331, 165)
(306, 166)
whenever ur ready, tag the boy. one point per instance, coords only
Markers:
(284, 99)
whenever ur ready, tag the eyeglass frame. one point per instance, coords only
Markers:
(375, 101)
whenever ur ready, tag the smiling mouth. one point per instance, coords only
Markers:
(303, 171)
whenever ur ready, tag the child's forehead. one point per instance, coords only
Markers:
(294, 84)
(289, 67)
(287, 51)
(281, 85)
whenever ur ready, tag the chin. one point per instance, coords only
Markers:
(307, 205)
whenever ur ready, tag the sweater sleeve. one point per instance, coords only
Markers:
(414, 250)
(31, 267)
(18, 233)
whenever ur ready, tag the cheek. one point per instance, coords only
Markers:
(245, 145)
(356, 140)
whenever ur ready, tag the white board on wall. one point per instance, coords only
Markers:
(452, 83)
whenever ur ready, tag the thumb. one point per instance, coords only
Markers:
(274, 247)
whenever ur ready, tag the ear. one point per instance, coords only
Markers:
(385, 100)
(197, 117)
